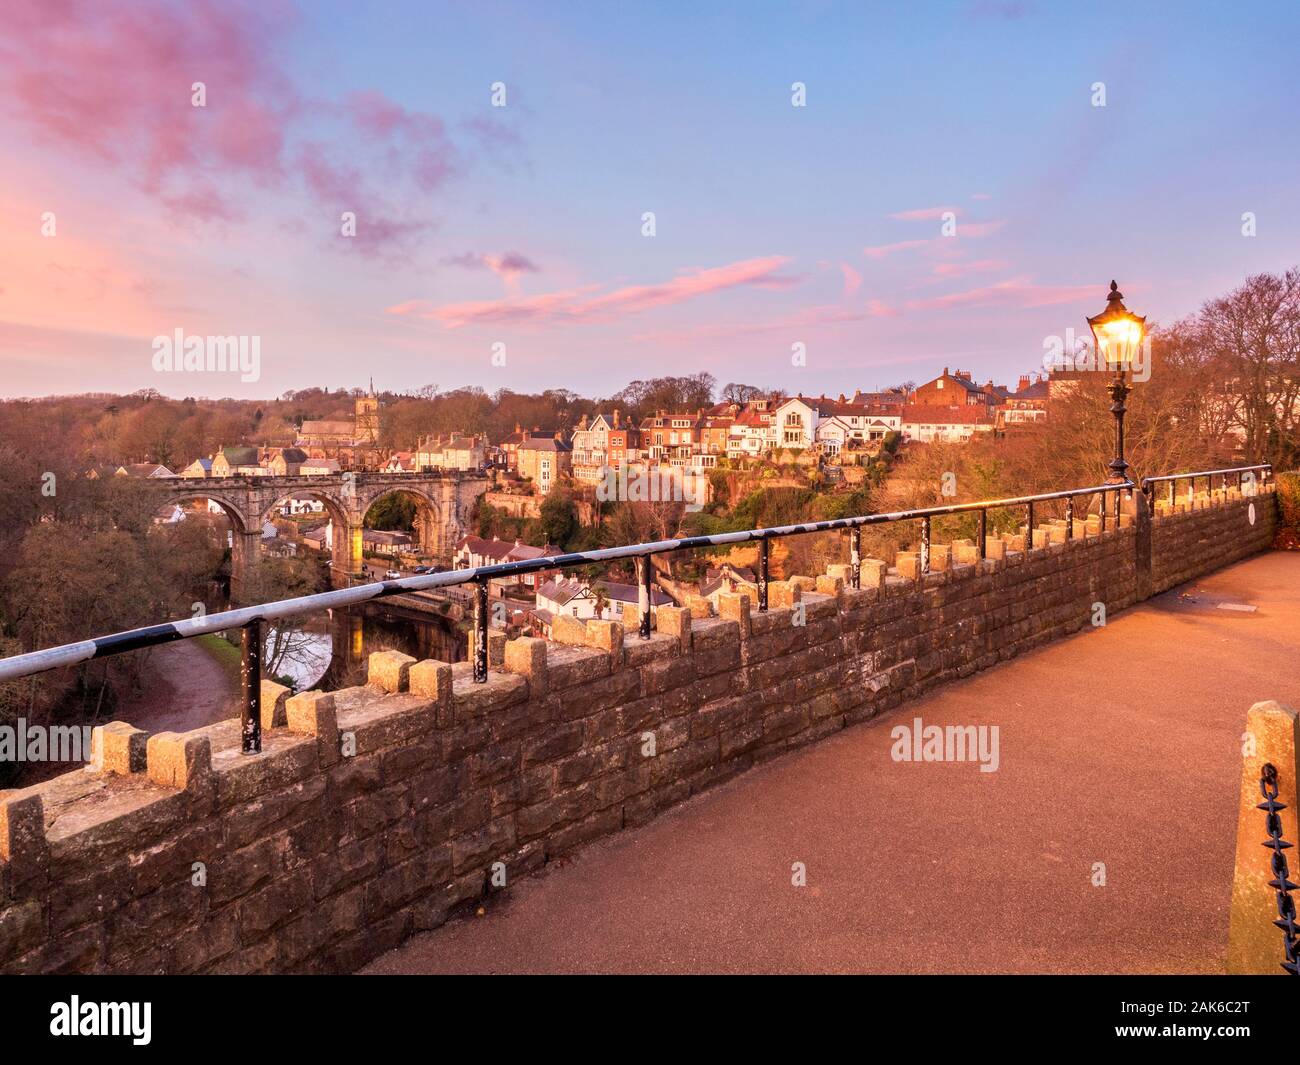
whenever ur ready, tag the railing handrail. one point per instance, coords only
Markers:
(1205, 473)
(33, 662)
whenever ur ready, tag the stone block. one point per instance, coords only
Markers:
(675, 621)
(118, 748)
(23, 846)
(527, 657)
(569, 630)
(312, 714)
(735, 606)
(832, 586)
(908, 564)
(607, 636)
(271, 701)
(496, 647)
(180, 761)
(1254, 943)
(389, 671)
(782, 595)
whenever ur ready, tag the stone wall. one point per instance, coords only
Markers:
(1208, 533)
(378, 811)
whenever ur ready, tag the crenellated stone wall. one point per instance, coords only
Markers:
(378, 811)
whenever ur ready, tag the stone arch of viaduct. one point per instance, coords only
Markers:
(443, 505)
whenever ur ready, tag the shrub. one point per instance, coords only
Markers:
(1288, 505)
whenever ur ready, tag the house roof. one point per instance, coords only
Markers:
(631, 593)
(144, 469)
(563, 590)
(385, 536)
(921, 414)
(327, 428)
(544, 443)
(505, 550)
(240, 456)
(525, 551)
(1038, 390)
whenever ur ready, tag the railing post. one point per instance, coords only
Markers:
(762, 575)
(1101, 509)
(480, 632)
(645, 594)
(1029, 538)
(1069, 517)
(984, 535)
(1119, 505)
(250, 675)
(925, 545)
(1173, 491)
(855, 557)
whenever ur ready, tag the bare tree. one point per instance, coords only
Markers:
(1253, 334)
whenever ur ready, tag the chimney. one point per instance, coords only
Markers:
(841, 397)
(615, 417)
(1024, 382)
(945, 371)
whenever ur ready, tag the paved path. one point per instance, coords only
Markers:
(1119, 745)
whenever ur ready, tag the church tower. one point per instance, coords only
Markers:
(368, 418)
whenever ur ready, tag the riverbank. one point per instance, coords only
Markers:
(185, 685)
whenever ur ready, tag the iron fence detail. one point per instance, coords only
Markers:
(253, 620)
(1281, 882)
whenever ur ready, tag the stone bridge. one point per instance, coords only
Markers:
(443, 504)
(378, 812)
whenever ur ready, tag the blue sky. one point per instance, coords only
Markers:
(521, 225)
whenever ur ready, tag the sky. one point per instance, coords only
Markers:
(842, 195)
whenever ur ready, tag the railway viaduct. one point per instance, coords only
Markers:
(443, 504)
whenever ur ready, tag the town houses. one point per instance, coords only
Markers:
(678, 446)
(953, 407)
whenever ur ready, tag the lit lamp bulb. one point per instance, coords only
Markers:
(1118, 332)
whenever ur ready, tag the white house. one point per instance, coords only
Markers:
(795, 423)
(949, 425)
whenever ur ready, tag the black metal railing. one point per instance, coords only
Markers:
(1243, 474)
(251, 620)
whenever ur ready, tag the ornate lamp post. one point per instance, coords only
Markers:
(1118, 333)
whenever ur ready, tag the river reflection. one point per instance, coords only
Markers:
(333, 652)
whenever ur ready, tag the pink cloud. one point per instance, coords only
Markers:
(581, 305)
(980, 229)
(925, 214)
(507, 266)
(1018, 292)
(880, 309)
(852, 279)
(962, 269)
(880, 251)
(805, 318)
(114, 82)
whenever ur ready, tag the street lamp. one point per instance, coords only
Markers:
(1118, 333)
